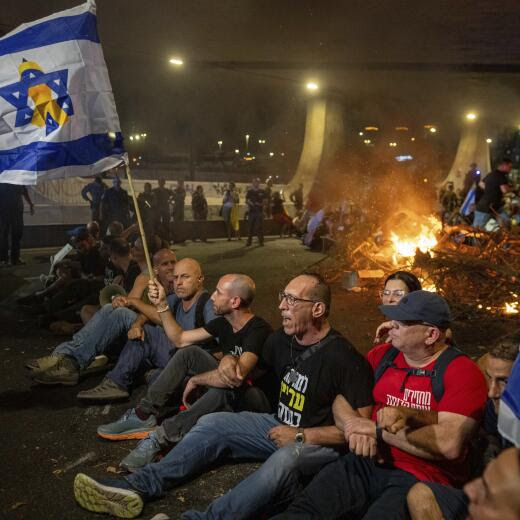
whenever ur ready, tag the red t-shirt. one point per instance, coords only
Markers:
(465, 393)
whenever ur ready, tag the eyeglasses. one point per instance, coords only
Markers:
(399, 293)
(291, 300)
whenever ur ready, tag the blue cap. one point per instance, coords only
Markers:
(424, 306)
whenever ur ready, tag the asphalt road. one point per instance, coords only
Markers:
(47, 436)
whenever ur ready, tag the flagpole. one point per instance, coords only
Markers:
(139, 222)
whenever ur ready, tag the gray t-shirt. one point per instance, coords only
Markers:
(186, 319)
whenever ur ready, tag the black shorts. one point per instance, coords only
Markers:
(452, 501)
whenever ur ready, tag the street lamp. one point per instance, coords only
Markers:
(247, 141)
(433, 130)
(176, 61)
(489, 141)
(219, 146)
(312, 86)
(471, 116)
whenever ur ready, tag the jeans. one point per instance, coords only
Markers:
(94, 338)
(156, 348)
(11, 223)
(238, 436)
(255, 221)
(187, 361)
(480, 219)
(353, 487)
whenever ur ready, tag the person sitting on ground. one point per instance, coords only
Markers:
(419, 370)
(496, 365)
(313, 364)
(239, 333)
(94, 230)
(72, 358)
(66, 302)
(397, 285)
(192, 308)
(494, 496)
(120, 257)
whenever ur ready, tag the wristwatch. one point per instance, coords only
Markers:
(300, 436)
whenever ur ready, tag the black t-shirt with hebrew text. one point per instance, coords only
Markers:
(250, 338)
(308, 388)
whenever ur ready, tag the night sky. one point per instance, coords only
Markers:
(215, 103)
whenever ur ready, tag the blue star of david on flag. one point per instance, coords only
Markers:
(50, 110)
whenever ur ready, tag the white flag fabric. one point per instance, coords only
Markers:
(509, 409)
(58, 117)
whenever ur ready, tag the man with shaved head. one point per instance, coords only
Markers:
(192, 308)
(240, 334)
(316, 369)
(125, 314)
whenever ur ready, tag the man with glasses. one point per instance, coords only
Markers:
(314, 365)
(422, 373)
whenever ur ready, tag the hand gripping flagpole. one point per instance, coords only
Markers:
(139, 222)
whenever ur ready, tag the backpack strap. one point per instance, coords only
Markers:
(312, 350)
(436, 374)
(386, 362)
(199, 309)
(437, 377)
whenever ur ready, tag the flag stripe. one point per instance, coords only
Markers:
(45, 155)
(56, 30)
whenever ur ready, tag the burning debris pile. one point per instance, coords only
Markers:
(478, 272)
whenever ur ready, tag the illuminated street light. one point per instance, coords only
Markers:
(367, 141)
(360, 133)
(312, 86)
(219, 146)
(271, 154)
(176, 61)
(412, 139)
(131, 138)
(137, 137)
(471, 116)
(237, 150)
(247, 141)
(433, 130)
(489, 141)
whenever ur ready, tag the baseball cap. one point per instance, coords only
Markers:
(424, 306)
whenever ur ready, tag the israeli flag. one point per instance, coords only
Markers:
(58, 117)
(509, 410)
(465, 209)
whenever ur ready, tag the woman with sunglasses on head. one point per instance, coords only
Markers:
(397, 285)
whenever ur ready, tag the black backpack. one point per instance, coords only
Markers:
(436, 374)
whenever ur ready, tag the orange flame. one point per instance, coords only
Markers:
(425, 240)
(511, 308)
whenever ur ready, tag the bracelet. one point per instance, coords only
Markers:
(164, 309)
(379, 435)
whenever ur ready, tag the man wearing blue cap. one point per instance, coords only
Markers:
(418, 370)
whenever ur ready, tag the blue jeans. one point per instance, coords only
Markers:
(155, 348)
(480, 219)
(94, 338)
(238, 436)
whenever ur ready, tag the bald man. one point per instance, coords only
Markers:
(240, 334)
(192, 308)
(125, 314)
(313, 364)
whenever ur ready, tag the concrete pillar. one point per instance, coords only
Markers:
(324, 135)
(472, 148)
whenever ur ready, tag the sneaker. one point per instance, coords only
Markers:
(117, 498)
(129, 426)
(43, 363)
(143, 454)
(107, 390)
(64, 372)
